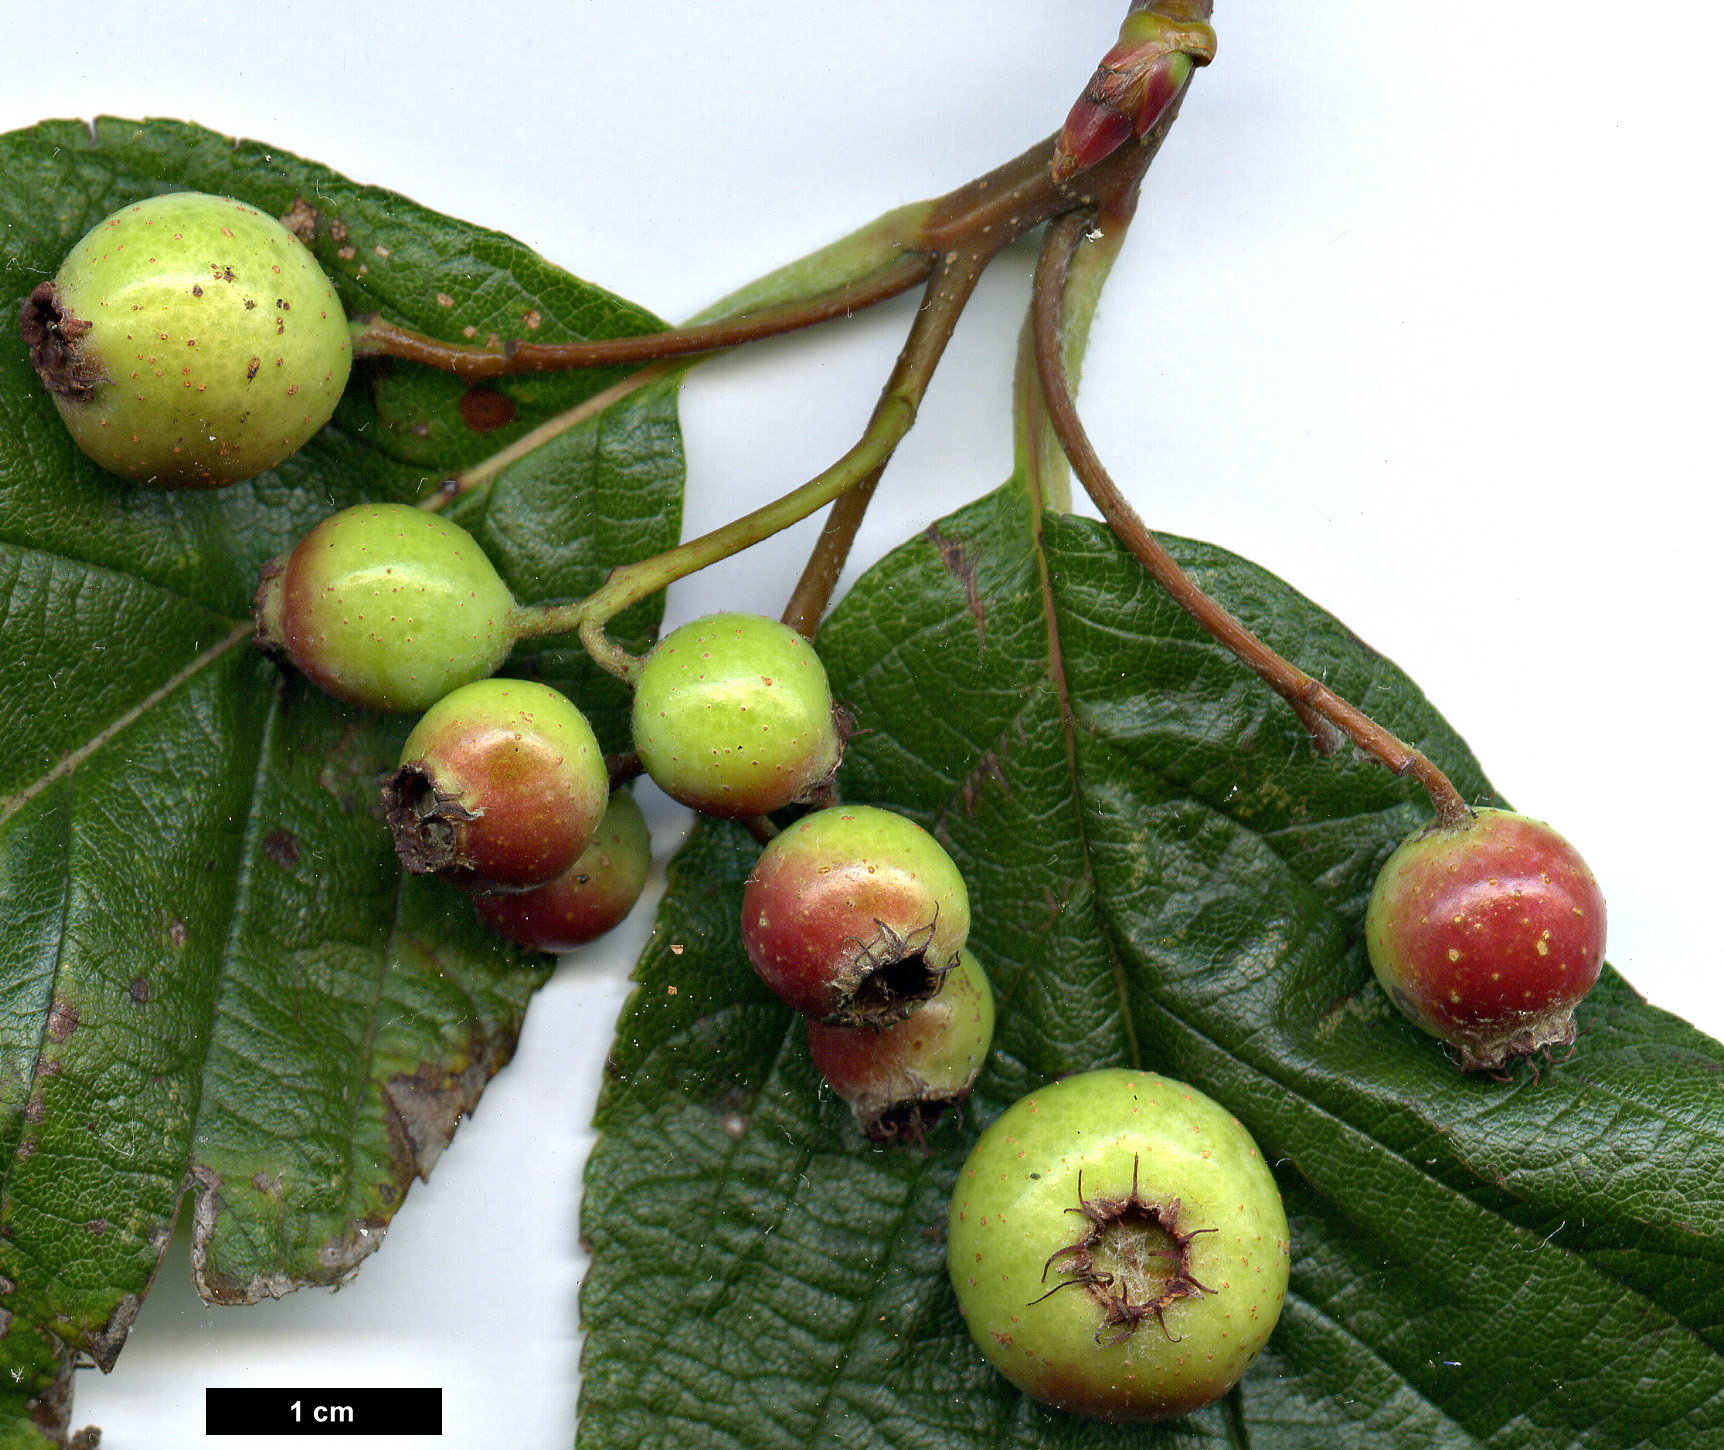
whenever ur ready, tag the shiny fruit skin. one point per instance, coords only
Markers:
(898, 1079)
(1488, 935)
(591, 897)
(733, 716)
(853, 914)
(500, 788)
(386, 606)
(1019, 1207)
(193, 342)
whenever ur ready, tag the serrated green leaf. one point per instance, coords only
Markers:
(1163, 873)
(213, 974)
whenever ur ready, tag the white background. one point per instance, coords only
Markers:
(1420, 312)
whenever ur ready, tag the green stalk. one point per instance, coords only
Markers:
(954, 279)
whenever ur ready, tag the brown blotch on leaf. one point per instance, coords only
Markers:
(960, 567)
(425, 1106)
(139, 991)
(103, 1345)
(51, 1410)
(282, 848)
(62, 1020)
(301, 220)
(989, 768)
(484, 410)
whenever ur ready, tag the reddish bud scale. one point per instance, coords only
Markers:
(1135, 83)
(500, 788)
(1488, 935)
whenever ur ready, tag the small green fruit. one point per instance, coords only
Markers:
(1118, 1246)
(588, 899)
(899, 1079)
(1488, 935)
(733, 716)
(189, 341)
(500, 788)
(386, 606)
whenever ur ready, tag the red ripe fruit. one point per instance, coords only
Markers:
(588, 899)
(500, 787)
(899, 1079)
(854, 914)
(1488, 935)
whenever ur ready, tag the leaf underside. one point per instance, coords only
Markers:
(214, 975)
(1163, 874)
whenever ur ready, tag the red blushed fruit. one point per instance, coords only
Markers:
(854, 914)
(501, 785)
(588, 899)
(899, 1079)
(1488, 935)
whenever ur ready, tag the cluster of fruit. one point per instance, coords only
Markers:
(501, 788)
(189, 342)
(855, 916)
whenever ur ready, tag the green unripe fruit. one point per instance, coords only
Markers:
(588, 899)
(899, 1079)
(386, 606)
(189, 341)
(733, 716)
(1118, 1246)
(500, 788)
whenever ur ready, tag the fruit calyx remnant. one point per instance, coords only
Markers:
(892, 975)
(52, 337)
(1134, 1259)
(425, 821)
(908, 1122)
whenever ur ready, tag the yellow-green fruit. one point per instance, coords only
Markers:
(189, 341)
(386, 606)
(733, 716)
(1118, 1246)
